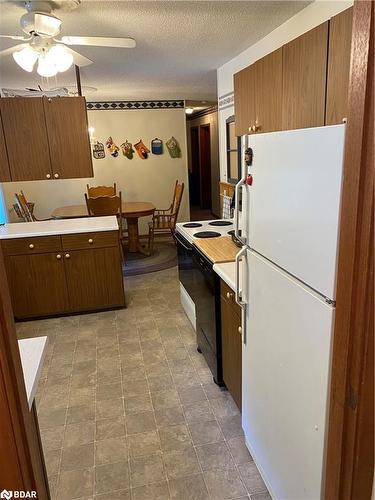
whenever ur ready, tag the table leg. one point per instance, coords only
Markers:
(134, 245)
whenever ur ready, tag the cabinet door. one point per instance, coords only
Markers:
(4, 164)
(37, 284)
(340, 36)
(231, 347)
(244, 103)
(94, 278)
(68, 137)
(268, 92)
(26, 138)
(304, 79)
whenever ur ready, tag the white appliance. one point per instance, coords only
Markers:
(291, 219)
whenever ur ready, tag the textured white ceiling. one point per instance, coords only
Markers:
(180, 44)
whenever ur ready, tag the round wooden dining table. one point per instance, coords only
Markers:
(131, 211)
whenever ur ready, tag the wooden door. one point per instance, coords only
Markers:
(4, 163)
(340, 35)
(205, 166)
(26, 138)
(268, 92)
(231, 344)
(37, 284)
(304, 79)
(244, 100)
(68, 136)
(94, 278)
(194, 181)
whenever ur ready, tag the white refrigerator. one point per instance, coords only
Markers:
(290, 220)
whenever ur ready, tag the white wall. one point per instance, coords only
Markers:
(305, 20)
(139, 180)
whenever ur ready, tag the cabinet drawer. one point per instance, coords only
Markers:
(90, 240)
(228, 295)
(36, 244)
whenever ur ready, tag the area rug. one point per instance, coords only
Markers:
(163, 257)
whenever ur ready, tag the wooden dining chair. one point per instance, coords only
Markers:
(164, 220)
(95, 191)
(106, 205)
(25, 208)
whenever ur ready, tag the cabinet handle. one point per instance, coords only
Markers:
(240, 330)
(344, 120)
(58, 256)
(56, 176)
(31, 246)
(49, 99)
(67, 255)
(230, 295)
(91, 241)
(48, 176)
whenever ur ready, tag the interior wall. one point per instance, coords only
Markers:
(314, 14)
(212, 120)
(138, 180)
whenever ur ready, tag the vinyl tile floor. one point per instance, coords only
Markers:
(128, 410)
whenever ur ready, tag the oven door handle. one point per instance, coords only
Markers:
(181, 242)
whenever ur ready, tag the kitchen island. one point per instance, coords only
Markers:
(61, 267)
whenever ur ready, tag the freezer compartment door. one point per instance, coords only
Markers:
(285, 372)
(294, 202)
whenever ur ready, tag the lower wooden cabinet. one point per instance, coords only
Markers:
(231, 343)
(46, 283)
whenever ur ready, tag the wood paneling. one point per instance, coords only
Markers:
(4, 163)
(94, 278)
(350, 443)
(220, 249)
(231, 343)
(244, 100)
(68, 137)
(340, 35)
(84, 241)
(268, 92)
(36, 244)
(26, 138)
(304, 79)
(37, 284)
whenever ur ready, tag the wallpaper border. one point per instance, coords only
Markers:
(124, 105)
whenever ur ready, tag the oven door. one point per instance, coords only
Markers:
(187, 272)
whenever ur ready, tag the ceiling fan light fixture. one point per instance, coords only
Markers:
(26, 58)
(189, 111)
(46, 66)
(61, 58)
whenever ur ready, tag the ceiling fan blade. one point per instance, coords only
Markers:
(78, 59)
(15, 48)
(100, 41)
(14, 37)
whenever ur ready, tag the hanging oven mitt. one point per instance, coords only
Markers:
(173, 148)
(127, 149)
(113, 148)
(157, 146)
(142, 150)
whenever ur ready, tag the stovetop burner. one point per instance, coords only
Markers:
(206, 234)
(231, 232)
(220, 223)
(192, 224)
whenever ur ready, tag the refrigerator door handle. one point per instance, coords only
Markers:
(240, 295)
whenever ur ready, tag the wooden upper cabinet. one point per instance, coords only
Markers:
(68, 137)
(244, 100)
(4, 163)
(304, 79)
(268, 92)
(340, 35)
(26, 138)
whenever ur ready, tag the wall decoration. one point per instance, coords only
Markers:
(113, 148)
(98, 150)
(121, 105)
(142, 150)
(173, 148)
(157, 146)
(127, 149)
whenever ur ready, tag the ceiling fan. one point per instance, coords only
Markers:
(39, 44)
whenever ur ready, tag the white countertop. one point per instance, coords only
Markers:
(227, 272)
(32, 352)
(58, 226)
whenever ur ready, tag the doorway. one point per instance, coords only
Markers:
(200, 174)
